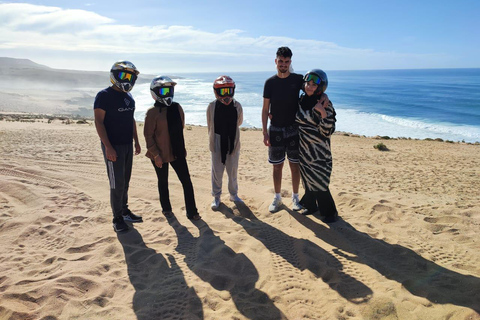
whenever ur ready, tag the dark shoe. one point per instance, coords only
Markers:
(331, 219)
(119, 225)
(130, 217)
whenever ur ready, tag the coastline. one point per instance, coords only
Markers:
(68, 118)
(406, 243)
(368, 103)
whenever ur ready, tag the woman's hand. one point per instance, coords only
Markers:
(158, 161)
(138, 149)
(322, 104)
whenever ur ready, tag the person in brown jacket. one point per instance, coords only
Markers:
(163, 132)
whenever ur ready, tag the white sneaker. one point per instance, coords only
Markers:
(296, 206)
(235, 198)
(275, 206)
(215, 203)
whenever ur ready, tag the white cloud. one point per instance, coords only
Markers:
(42, 19)
(79, 33)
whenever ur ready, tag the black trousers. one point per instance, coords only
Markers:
(119, 173)
(181, 168)
(321, 201)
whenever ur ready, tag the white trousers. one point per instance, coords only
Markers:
(231, 164)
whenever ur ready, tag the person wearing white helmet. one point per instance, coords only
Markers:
(224, 117)
(114, 109)
(316, 123)
(163, 131)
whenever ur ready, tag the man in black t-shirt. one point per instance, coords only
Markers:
(113, 109)
(280, 104)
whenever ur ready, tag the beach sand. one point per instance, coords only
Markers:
(406, 247)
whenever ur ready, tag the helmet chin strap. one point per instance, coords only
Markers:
(226, 100)
(125, 87)
(166, 101)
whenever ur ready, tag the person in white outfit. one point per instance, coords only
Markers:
(224, 117)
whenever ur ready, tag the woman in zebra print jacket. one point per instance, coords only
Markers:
(316, 123)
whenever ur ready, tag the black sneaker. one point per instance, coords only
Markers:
(119, 225)
(130, 217)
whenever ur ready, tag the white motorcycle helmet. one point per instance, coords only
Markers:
(224, 89)
(123, 75)
(161, 89)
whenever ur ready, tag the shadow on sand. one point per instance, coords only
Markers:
(217, 264)
(161, 291)
(418, 275)
(313, 258)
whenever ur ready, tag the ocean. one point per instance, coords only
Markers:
(418, 104)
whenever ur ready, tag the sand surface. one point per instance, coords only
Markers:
(406, 246)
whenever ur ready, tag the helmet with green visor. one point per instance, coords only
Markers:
(319, 77)
(161, 89)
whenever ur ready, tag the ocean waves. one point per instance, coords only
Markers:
(374, 124)
(416, 104)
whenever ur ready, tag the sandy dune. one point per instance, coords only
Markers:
(407, 246)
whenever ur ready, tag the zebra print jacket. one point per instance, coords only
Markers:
(314, 147)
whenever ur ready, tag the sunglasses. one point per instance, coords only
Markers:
(164, 91)
(222, 92)
(130, 77)
(312, 77)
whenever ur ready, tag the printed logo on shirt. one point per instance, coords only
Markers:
(126, 109)
(127, 102)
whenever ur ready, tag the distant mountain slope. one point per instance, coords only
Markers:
(26, 86)
(6, 62)
(16, 73)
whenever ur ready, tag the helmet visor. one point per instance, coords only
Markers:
(312, 77)
(225, 92)
(164, 91)
(124, 76)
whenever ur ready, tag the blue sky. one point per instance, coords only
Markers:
(201, 36)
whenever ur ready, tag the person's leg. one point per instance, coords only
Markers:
(277, 183)
(217, 174)
(116, 177)
(326, 204)
(163, 192)
(292, 151)
(127, 156)
(232, 172)
(309, 202)
(295, 170)
(217, 178)
(277, 177)
(276, 156)
(128, 174)
(181, 168)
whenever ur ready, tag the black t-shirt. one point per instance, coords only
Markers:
(283, 94)
(119, 108)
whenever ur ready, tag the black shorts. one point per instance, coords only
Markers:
(283, 140)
